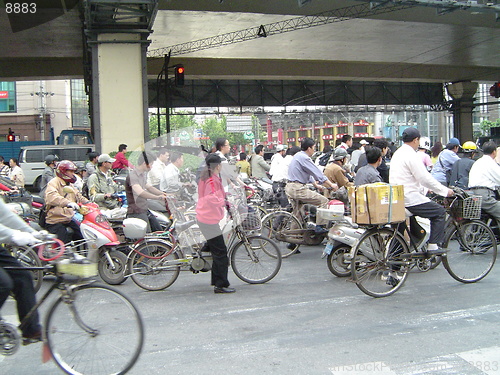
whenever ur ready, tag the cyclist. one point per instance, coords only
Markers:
(408, 170)
(484, 179)
(259, 167)
(48, 173)
(91, 165)
(335, 171)
(442, 168)
(101, 185)
(157, 172)
(139, 191)
(62, 203)
(302, 171)
(369, 174)
(209, 212)
(460, 171)
(121, 163)
(423, 148)
(14, 230)
(171, 183)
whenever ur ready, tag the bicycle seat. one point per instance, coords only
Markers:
(181, 227)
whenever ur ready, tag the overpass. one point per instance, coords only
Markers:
(428, 41)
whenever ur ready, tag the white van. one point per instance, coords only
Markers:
(32, 159)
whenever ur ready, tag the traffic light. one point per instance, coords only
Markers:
(179, 75)
(495, 90)
(11, 137)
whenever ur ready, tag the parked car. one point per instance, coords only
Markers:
(32, 159)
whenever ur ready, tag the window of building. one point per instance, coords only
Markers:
(8, 97)
(79, 104)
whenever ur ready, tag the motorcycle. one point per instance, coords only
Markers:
(344, 234)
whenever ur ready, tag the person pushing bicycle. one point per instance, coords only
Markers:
(13, 230)
(408, 170)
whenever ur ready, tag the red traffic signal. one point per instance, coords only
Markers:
(11, 137)
(179, 75)
(495, 90)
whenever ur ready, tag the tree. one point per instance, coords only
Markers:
(486, 125)
(178, 121)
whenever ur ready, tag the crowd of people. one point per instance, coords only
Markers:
(415, 165)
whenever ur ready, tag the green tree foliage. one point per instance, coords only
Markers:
(215, 127)
(485, 126)
(176, 122)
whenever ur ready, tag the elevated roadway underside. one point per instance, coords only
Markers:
(412, 45)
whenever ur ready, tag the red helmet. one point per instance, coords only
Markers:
(64, 166)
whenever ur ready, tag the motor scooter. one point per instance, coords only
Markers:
(101, 245)
(344, 235)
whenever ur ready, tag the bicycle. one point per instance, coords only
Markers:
(292, 229)
(89, 328)
(156, 262)
(381, 259)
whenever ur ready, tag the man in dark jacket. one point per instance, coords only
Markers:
(460, 171)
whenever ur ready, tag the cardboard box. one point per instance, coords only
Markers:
(377, 203)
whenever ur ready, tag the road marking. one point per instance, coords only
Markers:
(486, 359)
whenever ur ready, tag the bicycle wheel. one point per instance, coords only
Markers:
(275, 225)
(96, 331)
(154, 266)
(380, 262)
(255, 260)
(28, 258)
(472, 251)
(336, 261)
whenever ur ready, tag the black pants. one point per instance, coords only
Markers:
(279, 190)
(436, 214)
(20, 284)
(217, 246)
(61, 231)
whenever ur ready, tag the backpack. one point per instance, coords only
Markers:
(42, 216)
(85, 190)
(323, 159)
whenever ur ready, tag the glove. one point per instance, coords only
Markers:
(42, 235)
(23, 238)
(74, 206)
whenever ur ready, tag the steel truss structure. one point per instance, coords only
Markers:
(284, 93)
(296, 23)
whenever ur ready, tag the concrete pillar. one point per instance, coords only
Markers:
(462, 106)
(119, 79)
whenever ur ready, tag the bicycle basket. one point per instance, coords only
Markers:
(252, 220)
(467, 208)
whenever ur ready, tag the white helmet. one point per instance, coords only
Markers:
(425, 143)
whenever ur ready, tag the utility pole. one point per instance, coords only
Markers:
(42, 94)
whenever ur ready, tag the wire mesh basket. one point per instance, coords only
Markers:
(467, 208)
(251, 220)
